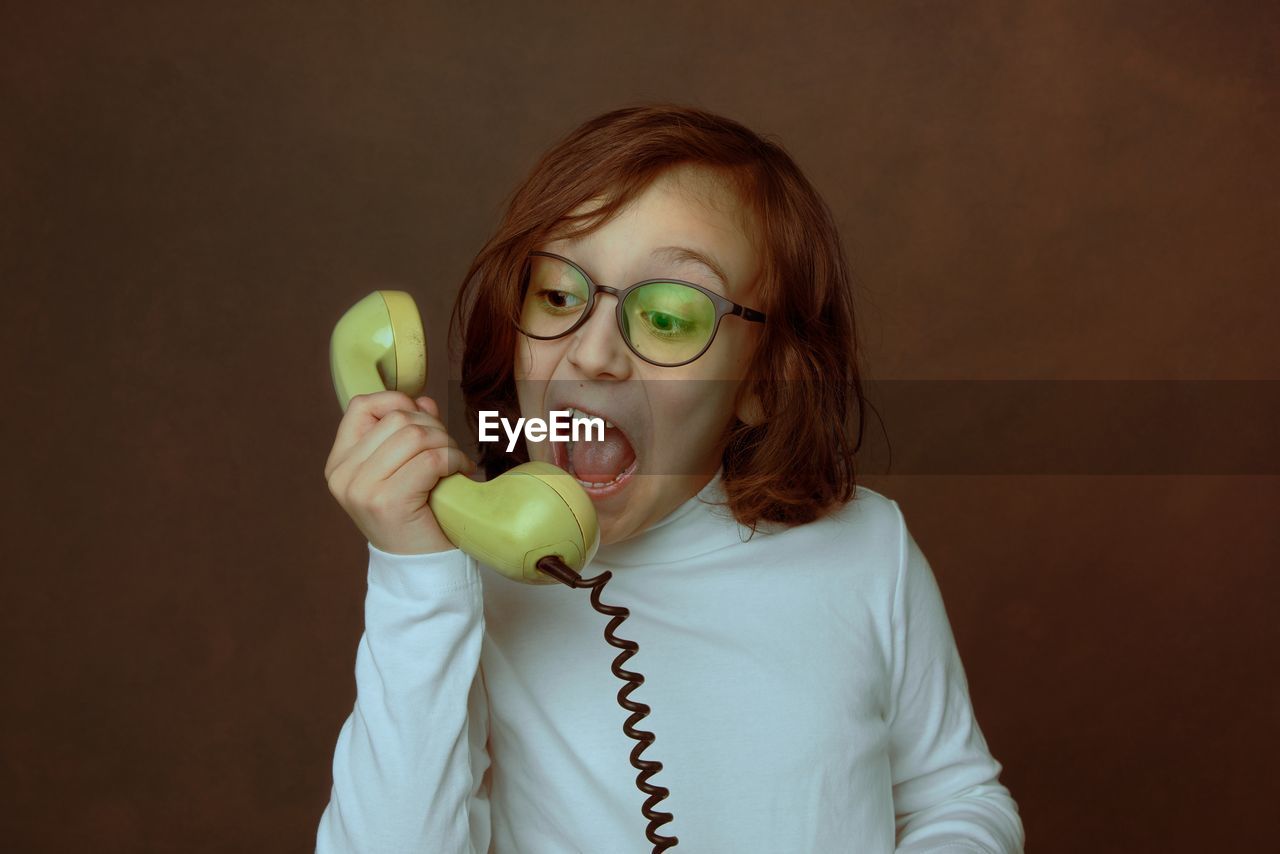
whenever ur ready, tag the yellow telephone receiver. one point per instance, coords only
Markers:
(511, 522)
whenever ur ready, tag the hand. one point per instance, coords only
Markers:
(389, 453)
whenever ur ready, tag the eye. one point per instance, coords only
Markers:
(666, 324)
(671, 311)
(559, 301)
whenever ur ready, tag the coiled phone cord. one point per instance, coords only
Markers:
(560, 571)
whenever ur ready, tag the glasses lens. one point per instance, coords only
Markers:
(555, 295)
(668, 322)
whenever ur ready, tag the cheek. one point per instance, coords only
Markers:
(693, 422)
(739, 355)
(730, 355)
(538, 360)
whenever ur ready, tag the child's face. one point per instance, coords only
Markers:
(670, 421)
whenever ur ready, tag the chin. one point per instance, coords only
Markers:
(615, 523)
(616, 533)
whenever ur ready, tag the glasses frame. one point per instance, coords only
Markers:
(724, 307)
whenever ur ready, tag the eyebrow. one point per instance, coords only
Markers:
(684, 253)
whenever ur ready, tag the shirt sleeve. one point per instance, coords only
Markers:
(410, 767)
(946, 790)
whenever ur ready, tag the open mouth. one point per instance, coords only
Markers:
(601, 466)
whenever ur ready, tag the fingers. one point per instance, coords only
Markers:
(389, 454)
(411, 479)
(399, 473)
(429, 406)
(363, 412)
(392, 442)
(366, 424)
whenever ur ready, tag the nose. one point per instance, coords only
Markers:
(597, 348)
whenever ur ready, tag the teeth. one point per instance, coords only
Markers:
(578, 415)
(598, 485)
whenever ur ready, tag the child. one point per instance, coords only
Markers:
(806, 692)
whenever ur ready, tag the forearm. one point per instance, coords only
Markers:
(946, 788)
(981, 820)
(402, 774)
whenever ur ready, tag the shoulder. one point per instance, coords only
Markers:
(868, 511)
(869, 519)
(867, 533)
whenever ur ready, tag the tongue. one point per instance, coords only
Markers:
(602, 461)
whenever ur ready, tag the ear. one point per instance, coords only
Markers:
(748, 408)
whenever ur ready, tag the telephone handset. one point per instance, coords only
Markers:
(533, 523)
(511, 522)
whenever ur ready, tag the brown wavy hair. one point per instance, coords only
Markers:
(797, 462)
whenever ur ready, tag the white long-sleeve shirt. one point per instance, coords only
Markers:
(807, 697)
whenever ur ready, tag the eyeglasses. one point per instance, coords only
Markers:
(666, 322)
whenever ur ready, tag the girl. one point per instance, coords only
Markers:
(670, 272)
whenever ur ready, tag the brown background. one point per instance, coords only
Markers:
(192, 194)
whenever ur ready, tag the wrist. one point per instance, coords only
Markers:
(423, 574)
